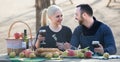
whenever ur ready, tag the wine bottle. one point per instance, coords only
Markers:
(25, 38)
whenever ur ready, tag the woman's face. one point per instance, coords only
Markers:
(57, 18)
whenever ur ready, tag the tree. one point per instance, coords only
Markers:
(40, 5)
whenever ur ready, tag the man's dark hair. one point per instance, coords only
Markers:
(85, 8)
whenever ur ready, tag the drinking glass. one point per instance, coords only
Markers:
(95, 45)
(43, 34)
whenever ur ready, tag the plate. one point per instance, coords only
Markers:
(110, 57)
(97, 57)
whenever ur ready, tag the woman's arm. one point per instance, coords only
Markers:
(37, 44)
(38, 41)
(39, 38)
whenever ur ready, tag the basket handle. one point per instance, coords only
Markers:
(20, 22)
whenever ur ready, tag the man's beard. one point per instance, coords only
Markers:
(81, 21)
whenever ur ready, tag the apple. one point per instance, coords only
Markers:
(32, 55)
(65, 53)
(16, 35)
(88, 54)
(22, 55)
(21, 35)
(80, 54)
(106, 55)
(42, 54)
(12, 54)
(27, 52)
(85, 49)
(56, 54)
(76, 52)
(49, 55)
(71, 52)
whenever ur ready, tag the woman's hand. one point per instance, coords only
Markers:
(60, 45)
(63, 46)
(40, 38)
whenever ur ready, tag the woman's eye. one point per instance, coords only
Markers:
(59, 16)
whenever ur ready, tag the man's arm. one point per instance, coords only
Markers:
(109, 41)
(75, 38)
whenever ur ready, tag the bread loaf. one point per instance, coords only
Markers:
(43, 51)
(40, 50)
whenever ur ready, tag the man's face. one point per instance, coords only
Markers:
(78, 16)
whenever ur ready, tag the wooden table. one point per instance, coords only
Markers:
(5, 58)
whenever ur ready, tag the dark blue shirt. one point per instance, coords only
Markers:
(98, 32)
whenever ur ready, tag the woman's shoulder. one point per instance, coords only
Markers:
(66, 27)
(44, 27)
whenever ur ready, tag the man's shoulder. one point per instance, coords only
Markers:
(78, 27)
(104, 27)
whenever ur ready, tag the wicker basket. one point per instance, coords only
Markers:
(16, 44)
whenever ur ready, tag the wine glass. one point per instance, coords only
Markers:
(95, 45)
(42, 32)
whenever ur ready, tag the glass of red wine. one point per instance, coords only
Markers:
(42, 32)
(95, 45)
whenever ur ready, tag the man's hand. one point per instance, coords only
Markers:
(99, 49)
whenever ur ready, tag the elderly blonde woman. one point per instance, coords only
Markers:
(57, 35)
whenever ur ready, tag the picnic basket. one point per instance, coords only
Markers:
(16, 44)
